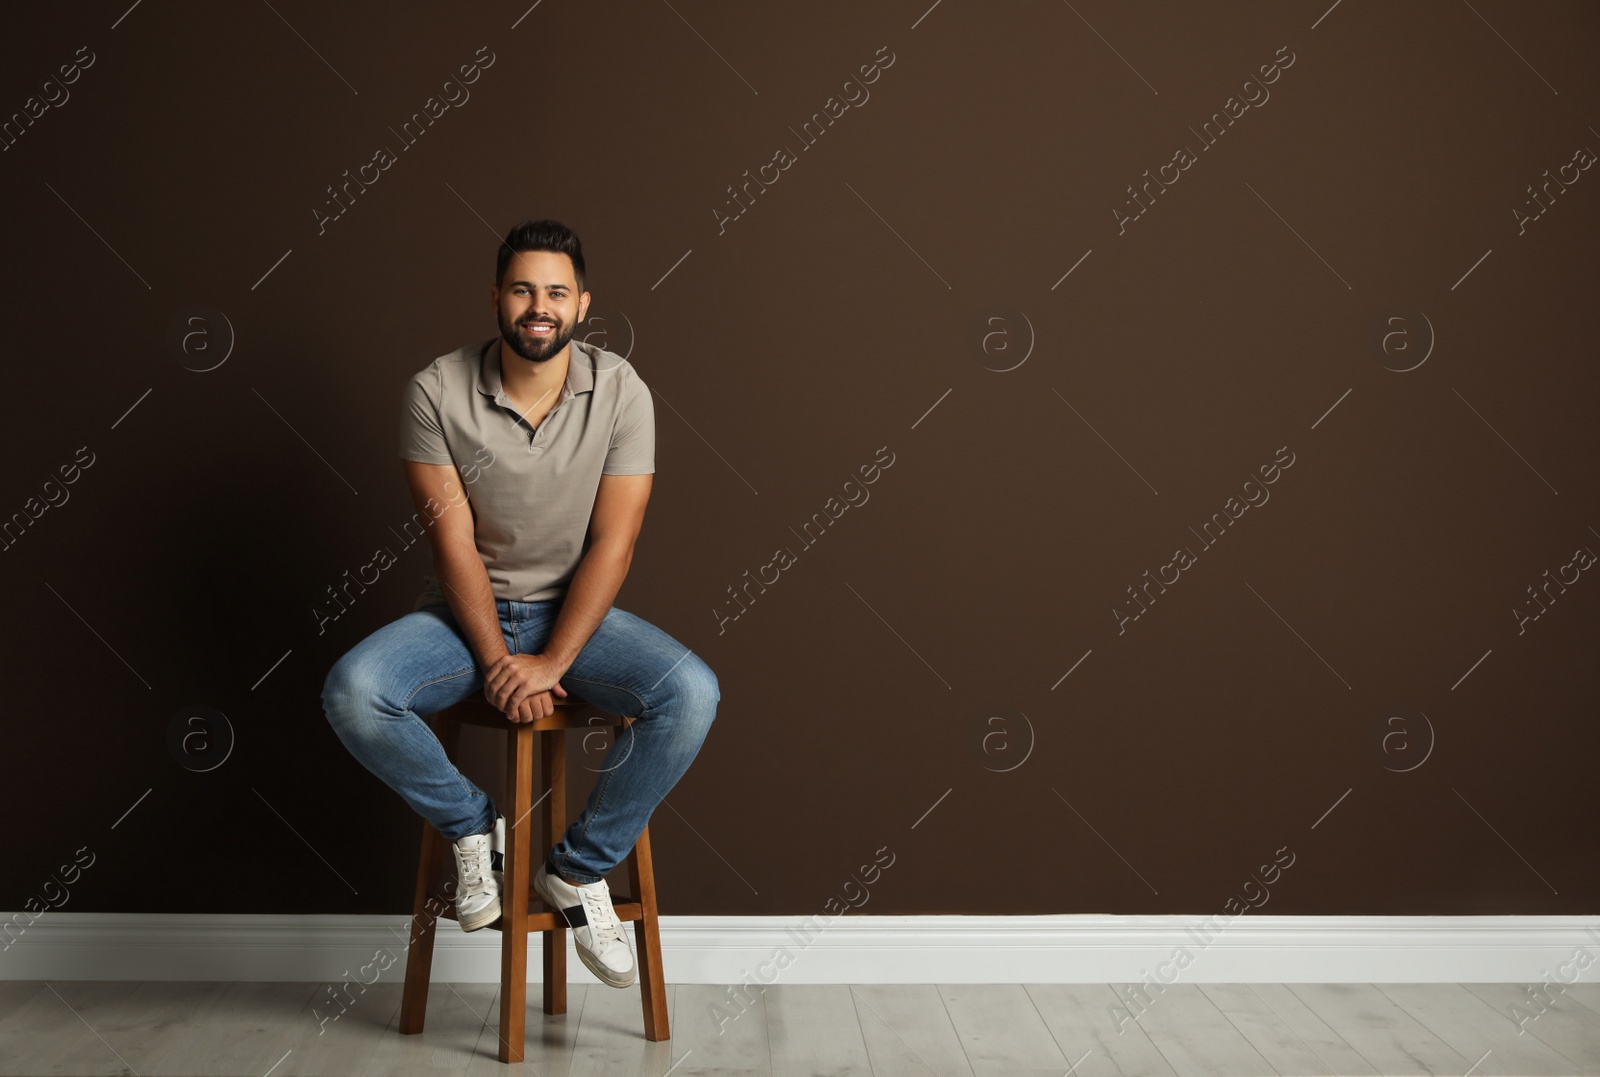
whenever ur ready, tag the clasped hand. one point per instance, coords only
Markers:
(520, 685)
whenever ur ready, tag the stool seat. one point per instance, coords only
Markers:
(522, 911)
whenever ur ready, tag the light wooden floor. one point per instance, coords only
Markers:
(987, 1030)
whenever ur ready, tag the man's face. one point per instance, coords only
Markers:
(538, 304)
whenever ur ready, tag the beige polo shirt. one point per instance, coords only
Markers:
(532, 490)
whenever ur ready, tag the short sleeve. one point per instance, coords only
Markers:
(633, 440)
(421, 434)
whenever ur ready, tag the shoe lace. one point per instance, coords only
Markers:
(603, 923)
(473, 861)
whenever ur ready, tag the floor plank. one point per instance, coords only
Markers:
(1283, 1031)
(1080, 1017)
(721, 1031)
(452, 1032)
(547, 1039)
(908, 1032)
(38, 1027)
(1475, 1030)
(344, 1044)
(1566, 1025)
(1001, 1031)
(130, 1022)
(611, 1041)
(1587, 993)
(237, 1028)
(812, 1029)
(1391, 1040)
(1193, 1035)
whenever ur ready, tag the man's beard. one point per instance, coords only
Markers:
(531, 348)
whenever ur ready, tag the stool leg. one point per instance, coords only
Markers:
(553, 775)
(424, 910)
(647, 936)
(514, 895)
(424, 919)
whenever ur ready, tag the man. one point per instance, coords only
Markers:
(556, 440)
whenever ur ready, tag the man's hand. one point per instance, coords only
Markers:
(521, 685)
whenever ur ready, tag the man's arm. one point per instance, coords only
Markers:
(437, 491)
(614, 527)
(613, 530)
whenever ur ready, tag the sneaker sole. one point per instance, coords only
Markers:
(603, 974)
(483, 919)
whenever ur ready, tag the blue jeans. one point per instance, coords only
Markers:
(375, 697)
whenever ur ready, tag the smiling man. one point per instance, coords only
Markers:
(558, 438)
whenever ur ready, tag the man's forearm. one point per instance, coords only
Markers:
(594, 585)
(465, 583)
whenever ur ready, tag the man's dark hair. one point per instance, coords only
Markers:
(541, 236)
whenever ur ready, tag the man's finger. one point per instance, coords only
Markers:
(495, 674)
(517, 694)
(496, 694)
(502, 668)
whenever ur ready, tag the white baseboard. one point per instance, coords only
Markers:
(850, 949)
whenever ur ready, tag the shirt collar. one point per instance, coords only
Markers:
(581, 363)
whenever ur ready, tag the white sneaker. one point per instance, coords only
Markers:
(602, 946)
(479, 877)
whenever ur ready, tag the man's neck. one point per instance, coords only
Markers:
(534, 386)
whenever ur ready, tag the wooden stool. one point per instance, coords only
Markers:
(522, 909)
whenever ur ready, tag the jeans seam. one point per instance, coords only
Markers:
(606, 684)
(436, 680)
(599, 803)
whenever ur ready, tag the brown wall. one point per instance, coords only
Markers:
(921, 650)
